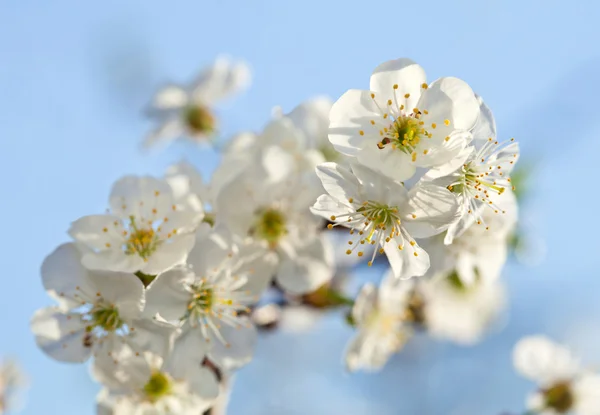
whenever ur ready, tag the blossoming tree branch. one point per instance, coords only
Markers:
(162, 291)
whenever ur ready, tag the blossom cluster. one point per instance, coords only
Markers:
(160, 290)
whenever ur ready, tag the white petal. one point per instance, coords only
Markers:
(138, 195)
(169, 97)
(278, 163)
(221, 80)
(169, 254)
(152, 336)
(258, 265)
(378, 187)
(430, 210)
(95, 231)
(60, 335)
(339, 182)
(485, 128)
(403, 72)
(203, 383)
(241, 340)
(394, 164)
(541, 360)
(403, 261)
(170, 130)
(312, 117)
(365, 303)
(211, 249)
(112, 260)
(65, 278)
(167, 296)
(349, 114)
(450, 99)
(124, 291)
(308, 270)
(189, 351)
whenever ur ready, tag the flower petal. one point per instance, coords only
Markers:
(167, 296)
(406, 74)
(430, 210)
(60, 335)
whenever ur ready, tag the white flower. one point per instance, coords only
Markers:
(155, 385)
(458, 312)
(403, 123)
(143, 231)
(382, 212)
(479, 175)
(98, 311)
(189, 111)
(312, 118)
(273, 222)
(565, 387)
(12, 380)
(379, 315)
(481, 250)
(190, 192)
(279, 152)
(205, 300)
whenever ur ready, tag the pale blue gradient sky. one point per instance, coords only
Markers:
(74, 76)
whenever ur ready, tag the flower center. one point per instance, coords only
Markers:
(199, 119)
(404, 134)
(158, 386)
(202, 301)
(381, 216)
(105, 317)
(559, 397)
(141, 241)
(270, 226)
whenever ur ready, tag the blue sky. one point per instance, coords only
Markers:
(74, 76)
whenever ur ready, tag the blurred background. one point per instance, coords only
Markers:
(75, 76)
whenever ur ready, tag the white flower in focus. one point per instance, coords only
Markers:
(143, 230)
(564, 387)
(383, 213)
(273, 222)
(479, 175)
(403, 123)
(153, 385)
(379, 315)
(481, 250)
(12, 380)
(98, 311)
(205, 300)
(189, 111)
(458, 312)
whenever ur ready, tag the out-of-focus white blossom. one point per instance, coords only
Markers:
(154, 385)
(12, 381)
(189, 111)
(564, 385)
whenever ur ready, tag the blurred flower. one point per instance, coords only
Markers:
(459, 312)
(189, 111)
(190, 191)
(156, 385)
(312, 118)
(379, 315)
(564, 386)
(97, 313)
(12, 380)
(143, 231)
(384, 213)
(272, 221)
(205, 301)
(402, 123)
